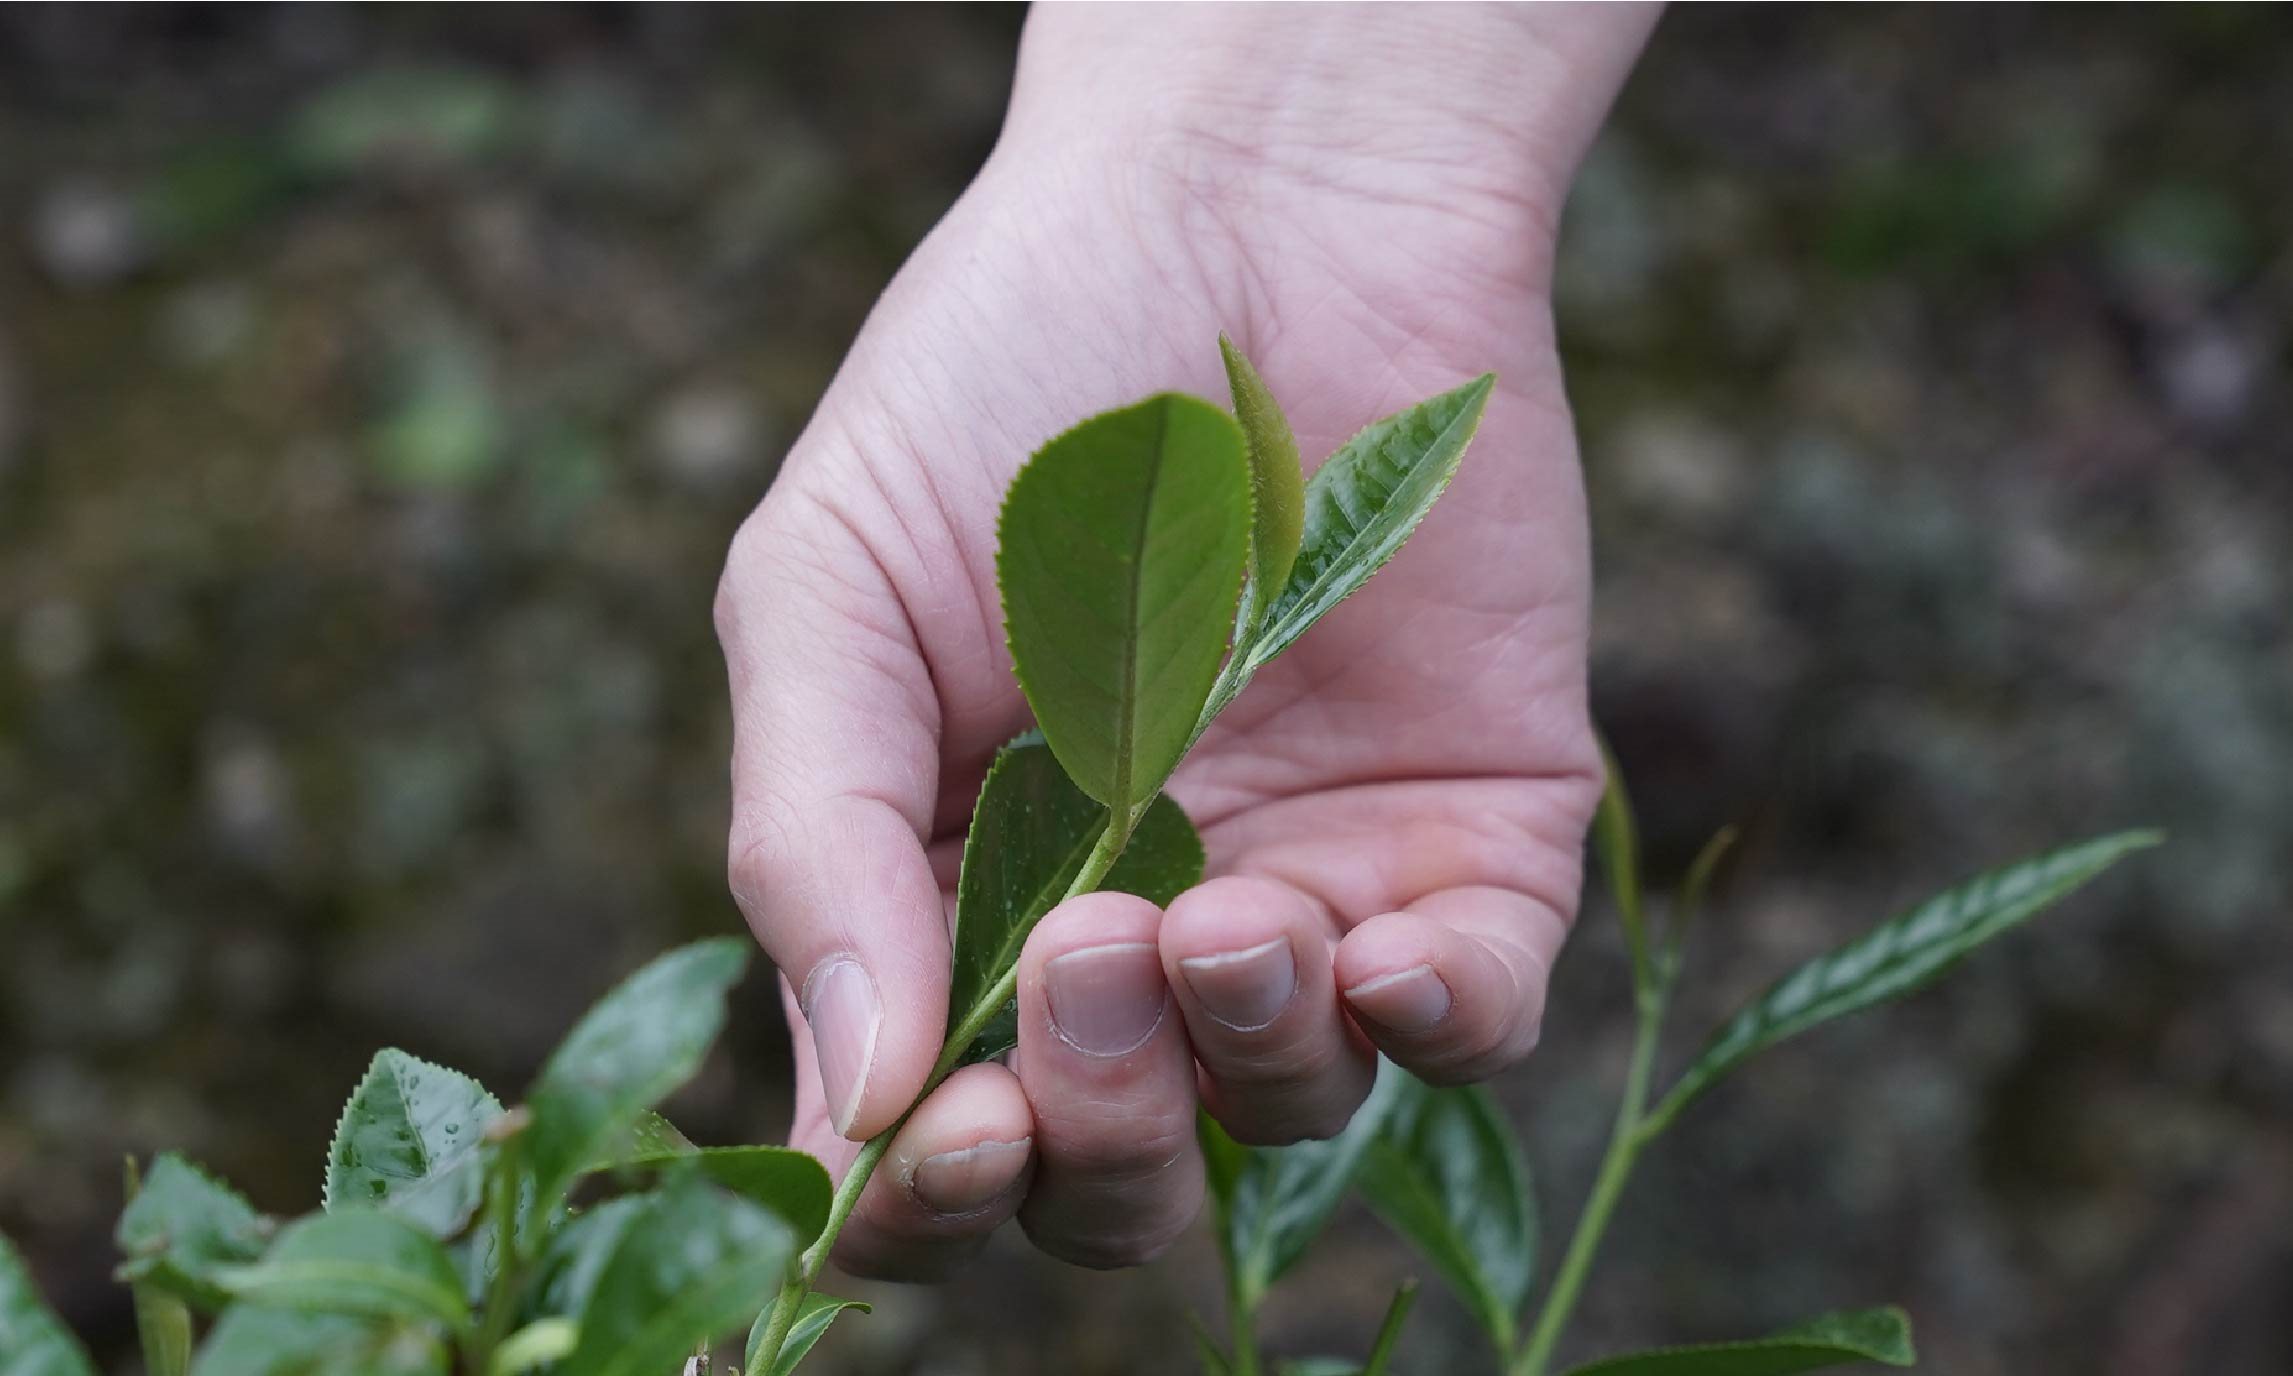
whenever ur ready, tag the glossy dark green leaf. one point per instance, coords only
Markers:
(1277, 488)
(357, 1261)
(1030, 834)
(791, 1183)
(812, 1319)
(1364, 502)
(1898, 956)
(638, 1044)
(255, 1340)
(1845, 1339)
(1121, 554)
(183, 1227)
(690, 1264)
(1448, 1174)
(33, 1341)
(1270, 1203)
(408, 1139)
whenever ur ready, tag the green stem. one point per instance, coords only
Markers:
(501, 1211)
(791, 1298)
(1242, 1320)
(1389, 1332)
(1625, 1142)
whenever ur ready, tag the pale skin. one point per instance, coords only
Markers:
(1365, 200)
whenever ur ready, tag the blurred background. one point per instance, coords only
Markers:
(379, 389)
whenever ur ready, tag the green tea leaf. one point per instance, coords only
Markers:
(1270, 1203)
(1030, 834)
(1448, 1174)
(642, 1041)
(183, 1227)
(1364, 502)
(575, 1254)
(358, 1261)
(691, 1263)
(1845, 1339)
(33, 1341)
(408, 1139)
(1121, 553)
(1897, 956)
(254, 1340)
(812, 1319)
(1277, 489)
(791, 1183)
(536, 1345)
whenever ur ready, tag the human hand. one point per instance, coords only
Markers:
(1393, 811)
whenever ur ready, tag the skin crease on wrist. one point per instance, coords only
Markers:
(1364, 198)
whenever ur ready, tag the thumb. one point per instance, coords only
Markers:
(834, 775)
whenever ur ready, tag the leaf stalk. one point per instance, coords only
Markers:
(1116, 835)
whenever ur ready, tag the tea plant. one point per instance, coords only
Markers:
(1444, 1170)
(1152, 560)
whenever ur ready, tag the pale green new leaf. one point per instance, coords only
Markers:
(812, 1319)
(639, 1043)
(33, 1341)
(1277, 490)
(1364, 502)
(689, 1264)
(358, 1261)
(183, 1227)
(1030, 834)
(256, 1340)
(1844, 1339)
(1271, 1202)
(408, 1139)
(1897, 956)
(1616, 845)
(1448, 1173)
(1120, 553)
(536, 1345)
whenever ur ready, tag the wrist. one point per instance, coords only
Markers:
(1473, 113)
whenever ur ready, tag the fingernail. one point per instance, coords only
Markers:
(1245, 990)
(957, 1182)
(1411, 1000)
(1106, 1000)
(840, 1007)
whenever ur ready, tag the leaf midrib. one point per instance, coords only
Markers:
(1126, 706)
